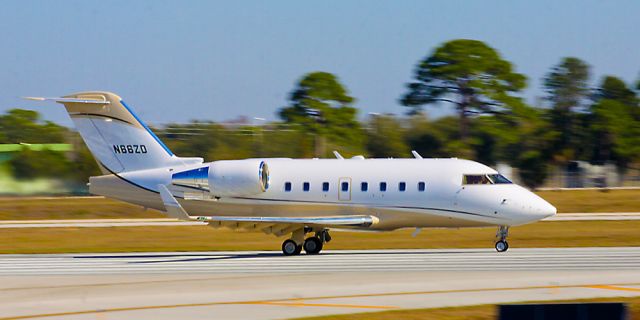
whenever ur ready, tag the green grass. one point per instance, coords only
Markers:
(478, 312)
(196, 238)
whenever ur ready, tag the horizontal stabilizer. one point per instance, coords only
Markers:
(69, 100)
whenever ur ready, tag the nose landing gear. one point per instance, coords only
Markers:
(502, 245)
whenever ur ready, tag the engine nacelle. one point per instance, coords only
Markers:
(238, 177)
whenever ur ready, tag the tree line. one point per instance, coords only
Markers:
(576, 120)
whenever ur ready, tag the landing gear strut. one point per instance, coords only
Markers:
(502, 245)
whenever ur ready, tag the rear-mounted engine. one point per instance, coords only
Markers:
(226, 178)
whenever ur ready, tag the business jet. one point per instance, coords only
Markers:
(303, 198)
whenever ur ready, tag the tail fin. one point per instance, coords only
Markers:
(116, 137)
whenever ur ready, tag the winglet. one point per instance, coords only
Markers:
(416, 154)
(337, 154)
(171, 205)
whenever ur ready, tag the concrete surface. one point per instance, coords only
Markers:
(266, 285)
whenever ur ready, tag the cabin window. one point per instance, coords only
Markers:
(325, 187)
(402, 186)
(383, 186)
(484, 179)
(287, 186)
(305, 187)
(364, 186)
(344, 186)
(421, 186)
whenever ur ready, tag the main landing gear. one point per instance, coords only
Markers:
(502, 245)
(311, 245)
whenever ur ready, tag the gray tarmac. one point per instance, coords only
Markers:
(266, 285)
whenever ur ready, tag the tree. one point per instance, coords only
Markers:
(20, 125)
(614, 123)
(467, 73)
(567, 87)
(321, 106)
(386, 137)
(28, 164)
(613, 88)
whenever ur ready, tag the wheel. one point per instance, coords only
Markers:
(502, 246)
(312, 245)
(291, 248)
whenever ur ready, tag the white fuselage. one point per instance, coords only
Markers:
(433, 195)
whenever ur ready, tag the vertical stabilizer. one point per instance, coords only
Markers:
(116, 137)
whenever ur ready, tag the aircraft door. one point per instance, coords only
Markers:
(344, 189)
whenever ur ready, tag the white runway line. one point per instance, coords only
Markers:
(618, 258)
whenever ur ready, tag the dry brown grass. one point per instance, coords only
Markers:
(594, 200)
(71, 208)
(195, 238)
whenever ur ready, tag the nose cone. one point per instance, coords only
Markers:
(545, 209)
(526, 206)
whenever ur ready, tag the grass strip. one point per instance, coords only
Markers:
(203, 238)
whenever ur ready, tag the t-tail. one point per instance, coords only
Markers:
(118, 139)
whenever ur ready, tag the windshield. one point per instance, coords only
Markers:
(484, 179)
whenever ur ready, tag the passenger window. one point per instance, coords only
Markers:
(325, 187)
(383, 186)
(345, 186)
(287, 186)
(402, 186)
(305, 187)
(421, 186)
(364, 186)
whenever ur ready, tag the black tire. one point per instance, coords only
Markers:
(502, 246)
(291, 248)
(313, 245)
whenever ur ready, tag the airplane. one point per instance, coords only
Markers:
(303, 198)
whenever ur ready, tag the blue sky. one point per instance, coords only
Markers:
(175, 61)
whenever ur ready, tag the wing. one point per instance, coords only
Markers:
(273, 225)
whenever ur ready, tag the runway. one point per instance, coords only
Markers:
(162, 222)
(329, 261)
(266, 285)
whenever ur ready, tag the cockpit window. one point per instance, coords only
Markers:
(499, 179)
(484, 179)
